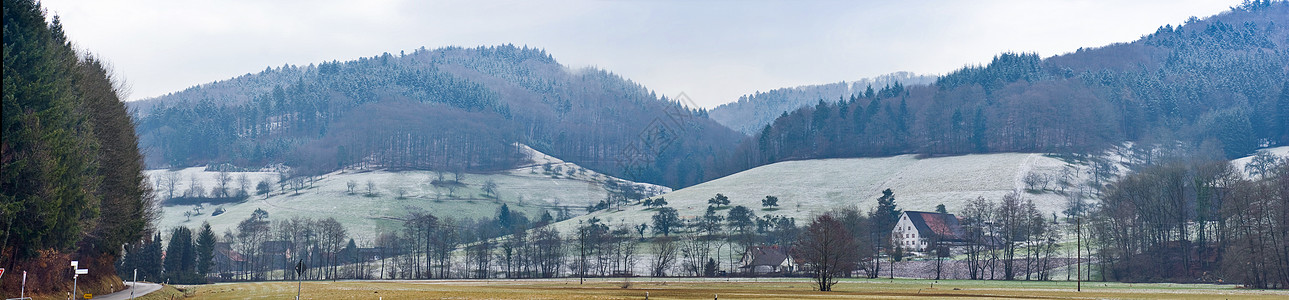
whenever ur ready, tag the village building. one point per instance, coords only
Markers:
(919, 230)
(227, 260)
(763, 260)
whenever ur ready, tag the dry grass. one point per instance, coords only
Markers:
(707, 289)
(168, 292)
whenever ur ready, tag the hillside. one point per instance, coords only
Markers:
(752, 112)
(447, 109)
(809, 187)
(530, 189)
(1220, 82)
(1240, 164)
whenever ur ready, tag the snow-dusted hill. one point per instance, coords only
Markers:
(809, 187)
(530, 189)
(1240, 163)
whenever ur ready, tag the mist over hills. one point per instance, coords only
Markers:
(1216, 83)
(444, 109)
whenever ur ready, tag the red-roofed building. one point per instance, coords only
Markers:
(917, 230)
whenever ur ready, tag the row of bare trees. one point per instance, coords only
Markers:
(259, 247)
(1196, 218)
(997, 231)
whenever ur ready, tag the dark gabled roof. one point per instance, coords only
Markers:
(772, 255)
(935, 224)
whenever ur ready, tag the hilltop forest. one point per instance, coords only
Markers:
(1216, 83)
(73, 186)
(448, 109)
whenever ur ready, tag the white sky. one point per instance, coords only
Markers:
(715, 51)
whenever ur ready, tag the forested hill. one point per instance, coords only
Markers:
(443, 109)
(752, 112)
(1215, 83)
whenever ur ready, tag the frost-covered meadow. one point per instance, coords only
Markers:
(809, 187)
(530, 189)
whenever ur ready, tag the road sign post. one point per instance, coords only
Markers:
(299, 281)
(74, 275)
(23, 293)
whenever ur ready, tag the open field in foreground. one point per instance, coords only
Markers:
(740, 288)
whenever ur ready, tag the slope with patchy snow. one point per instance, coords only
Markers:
(530, 189)
(809, 187)
(1240, 163)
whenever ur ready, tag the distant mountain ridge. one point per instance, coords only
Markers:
(444, 109)
(752, 112)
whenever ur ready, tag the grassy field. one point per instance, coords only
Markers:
(530, 189)
(167, 292)
(764, 288)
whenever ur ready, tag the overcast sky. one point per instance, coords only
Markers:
(715, 51)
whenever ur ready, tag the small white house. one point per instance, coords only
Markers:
(917, 230)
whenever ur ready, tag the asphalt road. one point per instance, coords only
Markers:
(143, 289)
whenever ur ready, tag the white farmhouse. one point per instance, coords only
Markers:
(917, 230)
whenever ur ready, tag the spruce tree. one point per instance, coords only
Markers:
(179, 256)
(205, 249)
(49, 167)
(150, 263)
(886, 214)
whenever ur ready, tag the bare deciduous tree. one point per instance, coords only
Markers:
(171, 181)
(221, 184)
(548, 251)
(490, 188)
(694, 252)
(195, 188)
(664, 249)
(243, 184)
(828, 250)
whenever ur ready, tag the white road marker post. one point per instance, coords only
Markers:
(134, 283)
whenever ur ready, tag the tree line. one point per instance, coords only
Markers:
(73, 187)
(1186, 217)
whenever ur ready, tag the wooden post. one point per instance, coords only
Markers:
(1078, 253)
